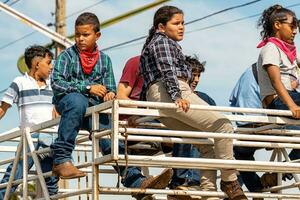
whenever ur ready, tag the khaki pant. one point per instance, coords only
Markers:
(198, 120)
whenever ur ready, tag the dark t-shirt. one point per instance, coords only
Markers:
(206, 98)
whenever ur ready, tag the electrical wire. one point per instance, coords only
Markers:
(2, 91)
(17, 40)
(31, 33)
(90, 6)
(187, 23)
(222, 11)
(127, 43)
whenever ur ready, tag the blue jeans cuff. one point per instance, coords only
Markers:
(57, 162)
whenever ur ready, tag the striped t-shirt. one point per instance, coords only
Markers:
(34, 102)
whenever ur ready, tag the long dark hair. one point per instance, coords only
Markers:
(269, 16)
(161, 16)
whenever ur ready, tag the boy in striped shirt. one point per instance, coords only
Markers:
(32, 94)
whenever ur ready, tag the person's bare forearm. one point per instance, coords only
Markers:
(122, 96)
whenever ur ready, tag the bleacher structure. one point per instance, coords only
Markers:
(271, 134)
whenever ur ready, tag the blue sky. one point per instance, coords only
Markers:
(228, 49)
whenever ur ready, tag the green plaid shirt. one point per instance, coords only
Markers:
(68, 76)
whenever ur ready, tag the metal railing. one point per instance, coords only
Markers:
(271, 134)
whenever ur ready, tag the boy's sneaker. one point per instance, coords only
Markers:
(155, 182)
(233, 190)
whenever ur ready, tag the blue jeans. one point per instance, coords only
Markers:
(278, 104)
(251, 179)
(72, 108)
(46, 165)
(186, 177)
(133, 176)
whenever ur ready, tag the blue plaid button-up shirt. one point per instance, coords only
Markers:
(68, 75)
(162, 60)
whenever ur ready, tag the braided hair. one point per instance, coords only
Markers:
(269, 16)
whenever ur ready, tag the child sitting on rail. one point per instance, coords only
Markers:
(33, 95)
(166, 79)
(277, 62)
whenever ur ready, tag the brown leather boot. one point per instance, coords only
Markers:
(233, 190)
(67, 170)
(155, 182)
(269, 180)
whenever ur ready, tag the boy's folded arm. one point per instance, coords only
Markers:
(62, 86)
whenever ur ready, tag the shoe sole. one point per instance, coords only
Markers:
(68, 177)
(160, 182)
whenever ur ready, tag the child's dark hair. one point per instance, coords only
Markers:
(161, 16)
(35, 51)
(197, 66)
(270, 15)
(88, 18)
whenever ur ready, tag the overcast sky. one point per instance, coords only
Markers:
(228, 49)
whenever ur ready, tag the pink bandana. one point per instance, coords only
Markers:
(288, 49)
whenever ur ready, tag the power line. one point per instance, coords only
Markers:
(188, 23)
(14, 2)
(17, 40)
(90, 6)
(31, 33)
(127, 44)
(2, 91)
(221, 11)
(233, 21)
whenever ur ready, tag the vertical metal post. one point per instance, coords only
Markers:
(115, 130)
(78, 180)
(287, 159)
(87, 177)
(37, 164)
(14, 168)
(279, 175)
(95, 152)
(25, 165)
(273, 156)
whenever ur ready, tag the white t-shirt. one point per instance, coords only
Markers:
(270, 54)
(34, 103)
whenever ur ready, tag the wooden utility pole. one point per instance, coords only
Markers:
(60, 27)
(60, 22)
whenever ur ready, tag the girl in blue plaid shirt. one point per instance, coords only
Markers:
(167, 79)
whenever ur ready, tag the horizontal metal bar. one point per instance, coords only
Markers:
(128, 191)
(204, 163)
(196, 134)
(208, 141)
(70, 194)
(160, 105)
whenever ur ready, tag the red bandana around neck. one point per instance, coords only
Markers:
(88, 60)
(288, 49)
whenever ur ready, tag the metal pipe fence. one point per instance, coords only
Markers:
(273, 133)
